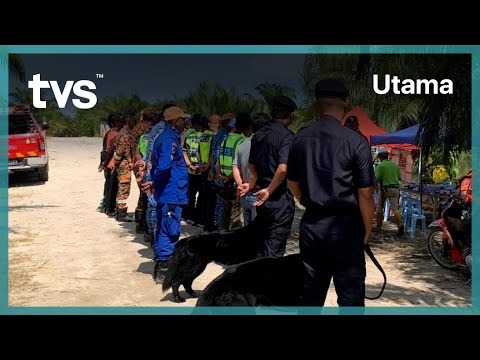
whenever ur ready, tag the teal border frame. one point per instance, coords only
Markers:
(474, 50)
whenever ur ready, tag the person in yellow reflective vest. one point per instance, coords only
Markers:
(193, 213)
(232, 213)
(209, 196)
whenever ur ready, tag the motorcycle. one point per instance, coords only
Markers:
(449, 239)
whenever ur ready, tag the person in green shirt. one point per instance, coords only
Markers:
(388, 178)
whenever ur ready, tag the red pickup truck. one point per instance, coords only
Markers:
(27, 148)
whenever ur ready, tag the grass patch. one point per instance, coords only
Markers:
(26, 237)
(21, 270)
(19, 195)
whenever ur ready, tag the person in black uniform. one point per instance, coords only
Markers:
(268, 166)
(330, 171)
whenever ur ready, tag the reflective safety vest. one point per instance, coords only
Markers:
(142, 144)
(205, 145)
(188, 132)
(466, 187)
(191, 142)
(228, 150)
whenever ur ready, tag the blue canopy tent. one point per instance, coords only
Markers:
(406, 137)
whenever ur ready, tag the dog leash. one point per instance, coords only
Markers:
(379, 267)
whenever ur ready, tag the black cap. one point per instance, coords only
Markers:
(331, 88)
(351, 119)
(115, 116)
(284, 102)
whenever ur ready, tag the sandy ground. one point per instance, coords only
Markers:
(64, 252)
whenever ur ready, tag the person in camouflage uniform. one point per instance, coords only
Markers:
(147, 119)
(124, 156)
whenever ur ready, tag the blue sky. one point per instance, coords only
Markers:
(160, 76)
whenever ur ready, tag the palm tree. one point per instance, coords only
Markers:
(21, 96)
(269, 90)
(15, 66)
(15, 63)
(215, 99)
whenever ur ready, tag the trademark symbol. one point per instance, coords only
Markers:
(99, 76)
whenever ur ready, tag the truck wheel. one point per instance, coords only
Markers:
(43, 173)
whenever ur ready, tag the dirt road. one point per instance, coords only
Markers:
(63, 252)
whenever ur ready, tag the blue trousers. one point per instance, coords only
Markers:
(168, 231)
(151, 214)
(218, 210)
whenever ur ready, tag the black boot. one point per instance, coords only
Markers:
(162, 272)
(121, 214)
(139, 228)
(147, 237)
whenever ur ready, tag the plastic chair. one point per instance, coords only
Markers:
(416, 213)
(416, 217)
(406, 206)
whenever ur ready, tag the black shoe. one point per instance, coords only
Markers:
(140, 229)
(162, 272)
(148, 237)
(401, 231)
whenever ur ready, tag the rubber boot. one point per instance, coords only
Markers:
(379, 220)
(121, 214)
(162, 272)
(139, 228)
(399, 220)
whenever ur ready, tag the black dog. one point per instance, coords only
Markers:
(262, 282)
(192, 255)
(265, 282)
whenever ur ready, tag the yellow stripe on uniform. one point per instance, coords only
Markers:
(32, 153)
(20, 155)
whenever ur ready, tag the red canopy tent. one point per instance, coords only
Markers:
(368, 127)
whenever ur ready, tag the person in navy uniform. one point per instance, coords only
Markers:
(268, 165)
(330, 172)
(170, 188)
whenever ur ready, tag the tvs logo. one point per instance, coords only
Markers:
(62, 96)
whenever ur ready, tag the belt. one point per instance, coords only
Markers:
(324, 212)
(390, 186)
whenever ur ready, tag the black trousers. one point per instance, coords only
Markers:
(333, 247)
(111, 192)
(208, 202)
(193, 210)
(276, 217)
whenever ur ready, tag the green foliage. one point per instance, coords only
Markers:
(445, 119)
(15, 63)
(207, 99)
(269, 90)
(210, 99)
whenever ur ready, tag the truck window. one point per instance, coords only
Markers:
(21, 124)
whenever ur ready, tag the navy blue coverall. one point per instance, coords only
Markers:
(331, 162)
(270, 147)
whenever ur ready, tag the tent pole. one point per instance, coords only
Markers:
(420, 182)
